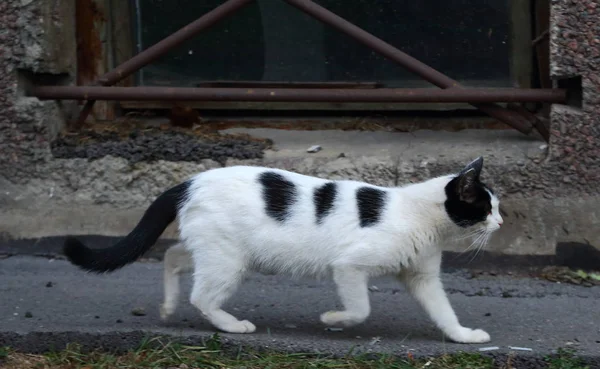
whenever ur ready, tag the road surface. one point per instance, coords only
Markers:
(45, 303)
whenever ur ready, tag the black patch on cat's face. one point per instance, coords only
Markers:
(323, 198)
(279, 195)
(463, 213)
(467, 200)
(370, 205)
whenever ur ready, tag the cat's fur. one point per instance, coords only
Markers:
(240, 219)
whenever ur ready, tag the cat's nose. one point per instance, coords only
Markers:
(500, 222)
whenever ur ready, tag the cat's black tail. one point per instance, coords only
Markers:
(155, 220)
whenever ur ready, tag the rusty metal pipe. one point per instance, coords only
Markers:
(164, 46)
(390, 95)
(512, 118)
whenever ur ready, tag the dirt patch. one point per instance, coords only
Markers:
(136, 142)
(557, 274)
(362, 123)
(566, 275)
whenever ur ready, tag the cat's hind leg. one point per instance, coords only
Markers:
(353, 291)
(177, 260)
(216, 277)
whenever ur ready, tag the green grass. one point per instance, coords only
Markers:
(566, 359)
(156, 354)
(3, 353)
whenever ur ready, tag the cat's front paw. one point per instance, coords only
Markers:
(468, 335)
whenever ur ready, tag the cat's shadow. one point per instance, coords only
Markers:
(280, 318)
(309, 328)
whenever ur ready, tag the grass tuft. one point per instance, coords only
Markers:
(565, 359)
(156, 353)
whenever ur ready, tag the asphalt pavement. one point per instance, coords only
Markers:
(46, 303)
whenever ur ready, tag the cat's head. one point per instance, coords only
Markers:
(470, 203)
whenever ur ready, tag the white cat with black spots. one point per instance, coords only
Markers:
(243, 219)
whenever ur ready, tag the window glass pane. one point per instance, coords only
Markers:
(269, 40)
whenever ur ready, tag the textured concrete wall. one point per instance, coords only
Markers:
(575, 52)
(35, 37)
(41, 195)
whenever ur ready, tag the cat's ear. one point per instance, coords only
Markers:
(475, 165)
(467, 186)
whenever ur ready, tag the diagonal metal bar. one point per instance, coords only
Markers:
(517, 120)
(162, 47)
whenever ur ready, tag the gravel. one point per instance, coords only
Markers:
(156, 145)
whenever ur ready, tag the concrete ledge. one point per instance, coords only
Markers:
(532, 226)
(108, 196)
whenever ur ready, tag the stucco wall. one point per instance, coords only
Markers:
(575, 52)
(35, 37)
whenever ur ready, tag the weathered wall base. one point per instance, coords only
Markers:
(108, 196)
(532, 227)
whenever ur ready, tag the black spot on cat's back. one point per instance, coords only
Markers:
(371, 202)
(323, 199)
(279, 195)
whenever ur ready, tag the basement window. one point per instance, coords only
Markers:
(271, 43)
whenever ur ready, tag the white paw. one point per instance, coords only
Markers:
(340, 318)
(240, 326)
(468, 335)
(166, 311)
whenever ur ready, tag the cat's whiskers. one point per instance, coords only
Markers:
(480, 233)
(480, 247)
(476, 240)
(468, 234)
(482, 242)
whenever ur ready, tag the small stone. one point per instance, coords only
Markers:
(374, 289)
(375, 340)
(488, 314)
(290, 326)
(314, 149)
(96, 317)
(28, 314)
(138, 311)
(49, 284)
(119, 321)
